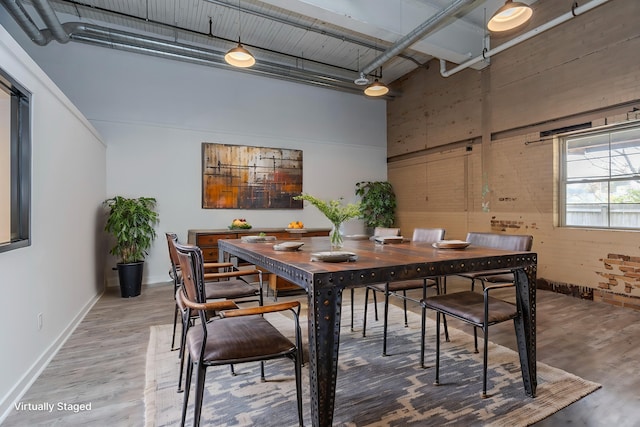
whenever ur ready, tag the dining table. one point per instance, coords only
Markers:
(364, 262)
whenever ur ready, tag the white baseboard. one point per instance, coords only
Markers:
(7, 404)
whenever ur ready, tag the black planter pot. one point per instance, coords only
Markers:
(130, 275)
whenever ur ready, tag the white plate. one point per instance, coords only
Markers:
(451, 244)
(288, 246)
(257, 239)
(334, 256)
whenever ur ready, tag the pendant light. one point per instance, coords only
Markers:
(377, 88)
(510, 16)
(239, 56)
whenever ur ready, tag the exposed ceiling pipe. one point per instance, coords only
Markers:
(415, 35)
(121, 40)
(16, 10)
(575, 11)
(50, 19)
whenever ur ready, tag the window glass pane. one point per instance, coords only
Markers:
(587, 156)
(5, 166)
(625, 153)
(587, 204)
(625, 204)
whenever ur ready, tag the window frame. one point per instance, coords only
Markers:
(20, 148)
(563, 181)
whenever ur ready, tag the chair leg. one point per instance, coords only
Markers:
(475, 339)
(437, 381)
(364, 317)
(386, 318)
(422, 332)
(175, 324)
(262, 378)
(375, 305)
(185, 401)
(297, 362)
(404, 303)
(183, 340)
(484, 366)
(446, 329)
(201, 372)
(351, 309)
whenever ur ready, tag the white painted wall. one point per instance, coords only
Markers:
(154, 114)
(60, 274)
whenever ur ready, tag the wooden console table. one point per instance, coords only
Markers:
(207, 241)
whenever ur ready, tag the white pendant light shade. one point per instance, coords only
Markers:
(510, 16)
(239, 57)
(376, 89)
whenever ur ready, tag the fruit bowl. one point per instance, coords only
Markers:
(239, 224)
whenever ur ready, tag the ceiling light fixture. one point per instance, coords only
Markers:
(510, 16)
(239, 56)
(376, 89)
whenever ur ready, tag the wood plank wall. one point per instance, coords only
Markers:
(465, 152)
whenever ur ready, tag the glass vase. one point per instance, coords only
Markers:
(336, 238)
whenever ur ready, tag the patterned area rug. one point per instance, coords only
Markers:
(371, 390)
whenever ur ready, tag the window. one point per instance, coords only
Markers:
(15, 164)
(600, 178)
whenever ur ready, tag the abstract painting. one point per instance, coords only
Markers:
(243, 177)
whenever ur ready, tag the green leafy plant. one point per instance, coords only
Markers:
(131, 222)
(335, 212)
(378, 203)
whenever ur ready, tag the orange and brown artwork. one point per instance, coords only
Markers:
(242, 177)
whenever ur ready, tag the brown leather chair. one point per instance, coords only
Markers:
(234, 336)
(477, 309)
(513, 242)
(228, 284)
(399, 289)
(174, 273)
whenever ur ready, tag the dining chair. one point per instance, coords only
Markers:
(377, 232)
(477, 309)
(513, 242)
(399, 289)
(174, 273)
(230, 284)
(234, 336)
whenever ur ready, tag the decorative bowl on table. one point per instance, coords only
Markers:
(334, 256)
(288, 246)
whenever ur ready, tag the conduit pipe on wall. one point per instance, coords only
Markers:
(416, 34)
(526, 36)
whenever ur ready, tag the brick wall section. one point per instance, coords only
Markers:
(619, 300)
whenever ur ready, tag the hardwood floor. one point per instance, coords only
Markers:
(103, 362)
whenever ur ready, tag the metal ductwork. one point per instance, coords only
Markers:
(415, 35)
(51, 20)
(575, 11)
(17, 12)
(130, 42)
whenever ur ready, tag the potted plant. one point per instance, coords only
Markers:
(378, 203)
(131, 222)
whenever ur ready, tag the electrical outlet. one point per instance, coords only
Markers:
(39, 321)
